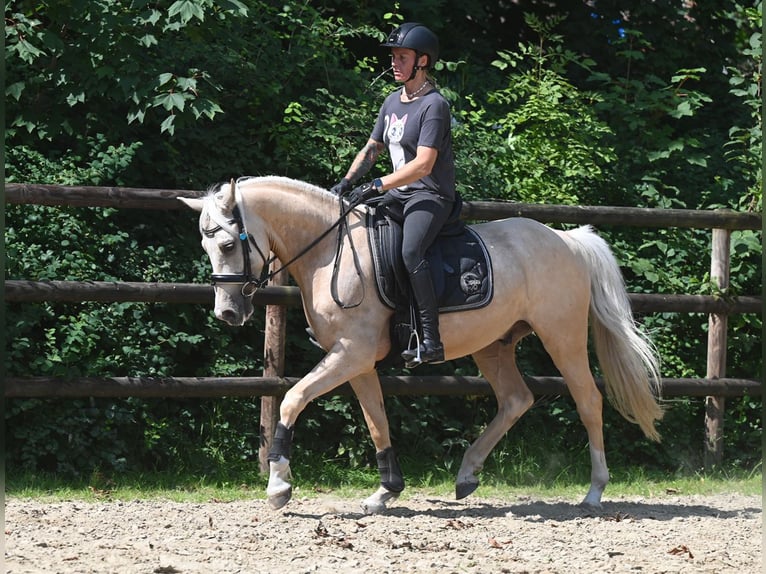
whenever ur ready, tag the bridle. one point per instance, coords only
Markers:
(251, 284)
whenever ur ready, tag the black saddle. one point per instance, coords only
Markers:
(460, 266)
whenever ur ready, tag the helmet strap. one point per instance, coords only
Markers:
(415, 68)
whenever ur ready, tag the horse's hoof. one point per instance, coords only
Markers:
(591, 506)
(592, 500)
(279, 499)
(376, 503)
(372, 506)
(463, 489)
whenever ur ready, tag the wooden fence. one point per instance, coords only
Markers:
(715, 387)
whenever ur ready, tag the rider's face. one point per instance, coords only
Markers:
(402, 60)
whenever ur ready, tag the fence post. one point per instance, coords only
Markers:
(716, 350)
(273, 366)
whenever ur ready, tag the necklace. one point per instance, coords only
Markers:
(416, 92)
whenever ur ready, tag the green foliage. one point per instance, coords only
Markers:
(69, 439)
(553, 149)
(182, 78)
(587, 109)
(745, 145)
(98, 54)
(119, 339)
(321, 135)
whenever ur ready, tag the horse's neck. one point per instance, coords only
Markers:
(293, 217)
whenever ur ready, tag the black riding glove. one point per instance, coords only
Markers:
(361, 194)
(342, 187)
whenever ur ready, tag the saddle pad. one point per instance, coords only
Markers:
(460, 265)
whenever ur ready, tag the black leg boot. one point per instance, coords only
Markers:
(431, 348)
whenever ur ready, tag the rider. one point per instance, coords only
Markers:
(415, 124)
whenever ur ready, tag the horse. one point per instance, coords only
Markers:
(550, 282)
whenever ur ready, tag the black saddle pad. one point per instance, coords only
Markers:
(459, 261)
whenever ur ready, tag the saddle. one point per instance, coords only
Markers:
(460, 266)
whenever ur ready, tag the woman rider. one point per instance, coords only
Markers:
(415, 124)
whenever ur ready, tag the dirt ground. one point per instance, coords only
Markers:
(423, 534)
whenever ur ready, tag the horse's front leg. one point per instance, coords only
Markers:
(334, 369)
(370, 396)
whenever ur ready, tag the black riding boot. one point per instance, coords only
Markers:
(431, 349)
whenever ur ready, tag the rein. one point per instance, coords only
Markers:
(251, 284)
(343, 218)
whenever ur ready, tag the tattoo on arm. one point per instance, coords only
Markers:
(364, 160)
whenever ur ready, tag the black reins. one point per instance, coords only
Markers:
(251, 284)
(343, 218)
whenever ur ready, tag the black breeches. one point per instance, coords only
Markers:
(424, 217)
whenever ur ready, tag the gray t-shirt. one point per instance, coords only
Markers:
(426, 121)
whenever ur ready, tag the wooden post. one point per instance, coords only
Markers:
(273, 366)
(716, 350)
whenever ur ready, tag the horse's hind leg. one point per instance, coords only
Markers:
(568, 350)
(370, 396)
(497, 363)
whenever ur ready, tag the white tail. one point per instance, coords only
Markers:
(627, 357)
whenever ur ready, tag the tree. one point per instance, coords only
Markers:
(195, 85)
(634, 103)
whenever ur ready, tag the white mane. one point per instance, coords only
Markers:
(285, 181)
(293, 185)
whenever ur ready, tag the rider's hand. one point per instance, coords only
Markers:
(362, 194)
(342, 187)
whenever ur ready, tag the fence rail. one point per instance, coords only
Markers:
(140, 198)
(209, 387)
(118, 292)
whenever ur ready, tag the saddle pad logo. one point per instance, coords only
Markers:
(470, 283)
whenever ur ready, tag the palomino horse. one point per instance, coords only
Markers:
(546, 281)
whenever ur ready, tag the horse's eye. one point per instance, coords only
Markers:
(228, 246)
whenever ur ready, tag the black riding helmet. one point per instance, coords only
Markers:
(416, 37)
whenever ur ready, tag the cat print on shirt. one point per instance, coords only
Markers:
(395, 131)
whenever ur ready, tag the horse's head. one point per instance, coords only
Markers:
(238, 257)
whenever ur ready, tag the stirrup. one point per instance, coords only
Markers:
(411, 355)
(313, 338)
(414, 357)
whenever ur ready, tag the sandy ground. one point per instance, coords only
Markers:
(669, 533)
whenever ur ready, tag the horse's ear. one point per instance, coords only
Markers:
(225, 198)
(193, 202)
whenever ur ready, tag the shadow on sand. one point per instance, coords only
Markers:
(545, 510)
